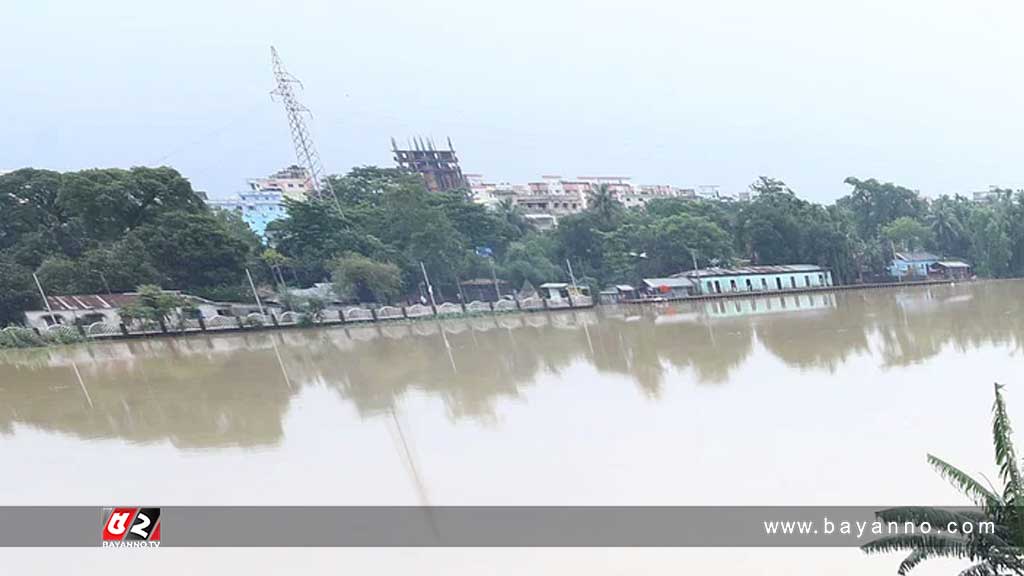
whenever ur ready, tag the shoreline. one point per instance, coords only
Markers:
(806, 290)
(242, 325)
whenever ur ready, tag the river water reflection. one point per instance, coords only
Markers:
(828, 399)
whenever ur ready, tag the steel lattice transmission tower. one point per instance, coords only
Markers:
(302, 139)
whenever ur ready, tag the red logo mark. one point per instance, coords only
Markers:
(127, 524)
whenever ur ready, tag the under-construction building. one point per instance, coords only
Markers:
(439, 168)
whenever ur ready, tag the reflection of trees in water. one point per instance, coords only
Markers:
(820, 338)
(913, 329)
(229, 389)
(488, 365)
(189, 400)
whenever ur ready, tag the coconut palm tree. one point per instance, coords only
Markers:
(512, 214)
(946, 227)
(601, 200)
(995, 554)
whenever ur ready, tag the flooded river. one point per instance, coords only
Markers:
(822, 399)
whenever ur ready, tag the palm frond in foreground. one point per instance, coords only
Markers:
(994, 552)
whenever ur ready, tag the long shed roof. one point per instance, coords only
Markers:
(752, 270)
(672, 282)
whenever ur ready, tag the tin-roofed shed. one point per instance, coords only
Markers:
(759, 278)
(671, 287)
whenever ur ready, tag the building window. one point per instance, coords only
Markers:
(750, 286)
(718, 286)
(807, 280)
(90, 318)
(764, 283)
(821, 279)
(778, 283)
(53, 319)
(792, 281)
(732, 285)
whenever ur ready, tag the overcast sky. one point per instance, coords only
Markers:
(924, 93)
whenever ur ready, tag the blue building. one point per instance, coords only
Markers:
(257, 207)
(759, 278)
(912, 264)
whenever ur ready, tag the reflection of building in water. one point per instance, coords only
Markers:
(929, 299)
(769, 304)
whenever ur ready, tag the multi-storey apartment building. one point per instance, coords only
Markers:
(546, 200)
(263, 202)
(293, 182)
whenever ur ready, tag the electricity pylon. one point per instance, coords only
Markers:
(302, 139)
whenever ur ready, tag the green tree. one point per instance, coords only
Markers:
(580, 238)
(315, 232)
(35, 223)
(765, 186)
(602, 202)
(907, 234)
(17, 292)
(723, 214)
(153, 306)
(275, 261)
(992, 554)
(357, 277)
(874, 204)
(991, 248)
(194, 249)
(672, 244)
(62, 275)
(420, 231)
(946, 227)
(512, 218)
(530, 259)
(478, 225)
(105, 266)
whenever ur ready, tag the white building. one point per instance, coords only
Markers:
(293, 182)
(492, 194)
(993, 194)
(552, 197)
(708, 192)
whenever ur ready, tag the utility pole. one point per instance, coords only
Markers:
(430, 289)
(494, 276)
(302, 139)
(571, 275)
(104, 278)
(43, 294)
(696, 277)
(253, 286)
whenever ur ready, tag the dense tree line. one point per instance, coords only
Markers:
(113, 230)
(388, 217)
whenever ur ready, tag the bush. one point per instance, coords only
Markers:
(21, 337)
(366, 280)
(225, 293)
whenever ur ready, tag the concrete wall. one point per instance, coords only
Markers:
(37, 318)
